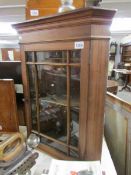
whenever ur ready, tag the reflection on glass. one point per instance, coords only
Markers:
(52, 83)
(75, 86)
(29, 56)
(74, 126)
(75, 56)
(48, 84)
(53, 120)
(52, 56)
(54, 145)
(33, 114)
(31, 77)
(75, 100)
(53, 112)
(74, 153)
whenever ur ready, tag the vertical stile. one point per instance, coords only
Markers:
(68, 103)
(37, 92)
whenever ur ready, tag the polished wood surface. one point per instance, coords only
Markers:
(117, 132)
(60, 32)
(8, 109)
(47, 7)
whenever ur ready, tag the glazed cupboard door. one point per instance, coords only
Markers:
(54, 88)
(64, 63)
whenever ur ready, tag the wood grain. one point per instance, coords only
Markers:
(60, 32)
(117, 132)
(8, 109)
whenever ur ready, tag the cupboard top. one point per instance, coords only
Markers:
(92, 15)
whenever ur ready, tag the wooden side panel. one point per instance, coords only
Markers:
(117, 132)
(84, 80)
(26, 92)
(96, 98)
(8, 110)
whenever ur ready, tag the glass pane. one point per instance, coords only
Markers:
(52, 56)
(54, 145)
(75, 100)
(31, 76)
(52, 90)
(52, 83)
(53, 120)
(74, 153)
(29, 56)
(75, 86)
(74, 126)
(52, 94)
(75, 56)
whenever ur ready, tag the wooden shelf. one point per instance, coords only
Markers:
(60, 101)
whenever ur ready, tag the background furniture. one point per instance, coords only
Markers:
(127, 74)
(126, 56)
(112, 86)
(8, 109)
(126, 53)
(117, 132)
(47, 7)
(111, 63)
(64, 61)
(12, 70)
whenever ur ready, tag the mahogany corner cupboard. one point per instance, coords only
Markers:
(64, 68)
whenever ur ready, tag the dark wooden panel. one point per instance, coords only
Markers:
(8, 110)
